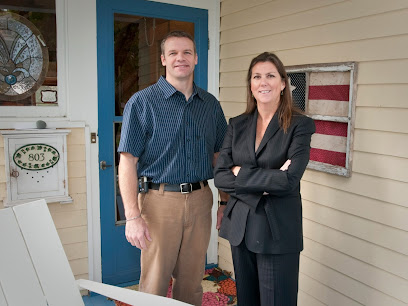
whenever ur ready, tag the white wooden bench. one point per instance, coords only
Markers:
(34, 269)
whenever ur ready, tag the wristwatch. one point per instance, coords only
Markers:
(223, 202)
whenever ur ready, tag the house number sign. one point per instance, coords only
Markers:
(36, 157)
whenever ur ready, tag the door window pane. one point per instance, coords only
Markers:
(137, 53)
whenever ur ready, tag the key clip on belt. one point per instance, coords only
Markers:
(186, 188)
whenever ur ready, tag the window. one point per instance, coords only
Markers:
(29, 84)
(327, 93)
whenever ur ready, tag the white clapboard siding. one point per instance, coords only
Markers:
(79, 203)
(392, 72)
(354, 204)
(70, 219)
(338, 12)
(372, 276)
(233, 79)
(270, 10)
(76, 250)
(235, 64)
(327, 53)
(346, 285)
(82, 276)
(367, 252)
(382, 235)
(369, 186)
(305, 299)
(224, 248)
(382, 95)
(2, 174)
(2, 160)
(368, 28)
(390, 167)
(234, 94)
(232, 6)
(77, 168)
(76, 137)
(323, 293)
(77, 184)
(382, 119)
(380, 142)
(79, 266)
(73, 234)
(20, 290)
(75, 152)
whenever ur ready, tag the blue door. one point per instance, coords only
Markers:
(129, 33)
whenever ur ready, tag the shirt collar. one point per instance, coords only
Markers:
(169, 90)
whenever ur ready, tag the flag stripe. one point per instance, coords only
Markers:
(331, 128)
(330, 78)
(328, 108)
(329, 142)
(328, 157)
(329, 92)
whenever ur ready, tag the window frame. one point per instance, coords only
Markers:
(59, 110)
(350, 119)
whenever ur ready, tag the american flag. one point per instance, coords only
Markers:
(324, 96)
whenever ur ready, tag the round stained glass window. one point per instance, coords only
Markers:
(23, 57)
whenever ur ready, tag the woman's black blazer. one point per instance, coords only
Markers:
(260, 173)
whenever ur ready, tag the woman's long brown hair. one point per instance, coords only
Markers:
(286, 107)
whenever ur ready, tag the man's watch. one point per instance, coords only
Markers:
(223, 202)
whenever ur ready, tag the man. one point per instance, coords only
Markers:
(172, 132)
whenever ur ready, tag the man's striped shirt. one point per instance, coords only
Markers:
(174, 139)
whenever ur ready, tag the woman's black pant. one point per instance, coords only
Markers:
(265, 279)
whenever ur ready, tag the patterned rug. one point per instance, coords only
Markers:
(218, 287)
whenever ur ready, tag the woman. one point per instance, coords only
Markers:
(264, 155)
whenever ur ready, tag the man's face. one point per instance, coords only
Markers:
(179, 58)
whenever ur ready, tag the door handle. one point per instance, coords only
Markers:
(103, 165)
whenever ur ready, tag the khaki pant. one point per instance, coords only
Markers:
(180, 226)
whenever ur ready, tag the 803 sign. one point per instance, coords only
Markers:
(36, 157)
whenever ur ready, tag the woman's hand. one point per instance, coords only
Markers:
(235, 170)
(283, 168)
(285, 165)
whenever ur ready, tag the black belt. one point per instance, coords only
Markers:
(183, 188)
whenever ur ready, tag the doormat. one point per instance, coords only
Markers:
(218, 289)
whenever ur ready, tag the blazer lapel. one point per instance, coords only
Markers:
(272, 128)
(251, 133)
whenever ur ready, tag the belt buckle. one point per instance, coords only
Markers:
(189, 189)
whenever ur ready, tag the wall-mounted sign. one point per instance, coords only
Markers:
(36, 157)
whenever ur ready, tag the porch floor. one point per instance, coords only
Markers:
(97, 300)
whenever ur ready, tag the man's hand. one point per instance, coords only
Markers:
(220, 214)
(136, 232)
